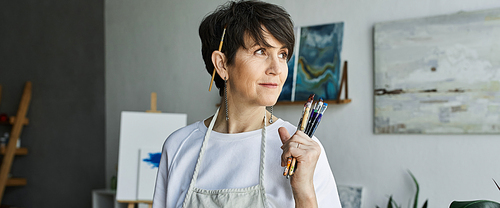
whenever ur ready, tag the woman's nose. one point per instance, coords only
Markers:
(275, 66)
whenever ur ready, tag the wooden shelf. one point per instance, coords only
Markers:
(330, 102)
(333, 102)
(19, 151)
(341, 101)
(16, 182)
(135, 201)
(12, 120)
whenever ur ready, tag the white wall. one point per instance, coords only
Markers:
(154, 46)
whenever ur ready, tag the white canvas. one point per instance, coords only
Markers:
(148, 168)
(438, 74)
(138, 129)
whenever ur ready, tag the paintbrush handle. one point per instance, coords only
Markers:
(292, 167)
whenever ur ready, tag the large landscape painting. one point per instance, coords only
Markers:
(438, 75)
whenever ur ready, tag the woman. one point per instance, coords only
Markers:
(233, 158)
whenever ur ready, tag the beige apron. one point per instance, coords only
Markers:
(254, 196)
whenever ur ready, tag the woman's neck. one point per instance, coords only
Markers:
(242, 118)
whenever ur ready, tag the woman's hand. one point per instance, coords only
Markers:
(306, 151)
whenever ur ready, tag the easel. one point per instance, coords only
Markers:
(131, 204)
(153, 104)
(18, 122)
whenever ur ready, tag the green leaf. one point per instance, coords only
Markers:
(496, 184)
(395, 204)
(425, 204)
(474, 204)
(389, 204)
(415, 203)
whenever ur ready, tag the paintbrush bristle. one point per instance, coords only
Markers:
(311, 97)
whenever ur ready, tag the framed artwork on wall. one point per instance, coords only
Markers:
(438, 75)
(315, 65)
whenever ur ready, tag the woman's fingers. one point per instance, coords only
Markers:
(300, 146)
(306, 152)
(284, 135)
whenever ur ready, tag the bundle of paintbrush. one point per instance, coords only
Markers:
(315, 117)
(308, 123)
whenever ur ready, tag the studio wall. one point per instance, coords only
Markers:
(154, 46)
(59, 47)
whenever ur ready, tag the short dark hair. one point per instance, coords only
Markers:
(243, 17)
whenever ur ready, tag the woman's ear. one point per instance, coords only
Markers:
(219, 61)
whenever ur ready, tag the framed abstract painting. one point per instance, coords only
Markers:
(315, 65)
(438, 75)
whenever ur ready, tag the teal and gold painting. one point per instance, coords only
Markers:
(315, 67)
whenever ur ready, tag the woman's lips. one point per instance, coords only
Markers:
(269, 85)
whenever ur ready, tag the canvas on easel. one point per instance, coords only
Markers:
(149, 161)
(141, 130)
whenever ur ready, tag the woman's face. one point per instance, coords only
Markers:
(258, 73)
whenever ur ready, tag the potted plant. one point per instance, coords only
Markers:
(392, 204)
(476, 203)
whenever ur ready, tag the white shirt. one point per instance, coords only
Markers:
(232, 161)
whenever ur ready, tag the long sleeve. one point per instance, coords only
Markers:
(160, 195)
(324, 183)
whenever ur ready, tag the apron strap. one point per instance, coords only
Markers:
(200, 155)
(263, 158)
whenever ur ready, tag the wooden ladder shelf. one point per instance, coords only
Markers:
(18, 122)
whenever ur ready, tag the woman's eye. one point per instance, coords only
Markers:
(283, 55)
(260, 51)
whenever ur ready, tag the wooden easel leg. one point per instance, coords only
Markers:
(131, 205)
